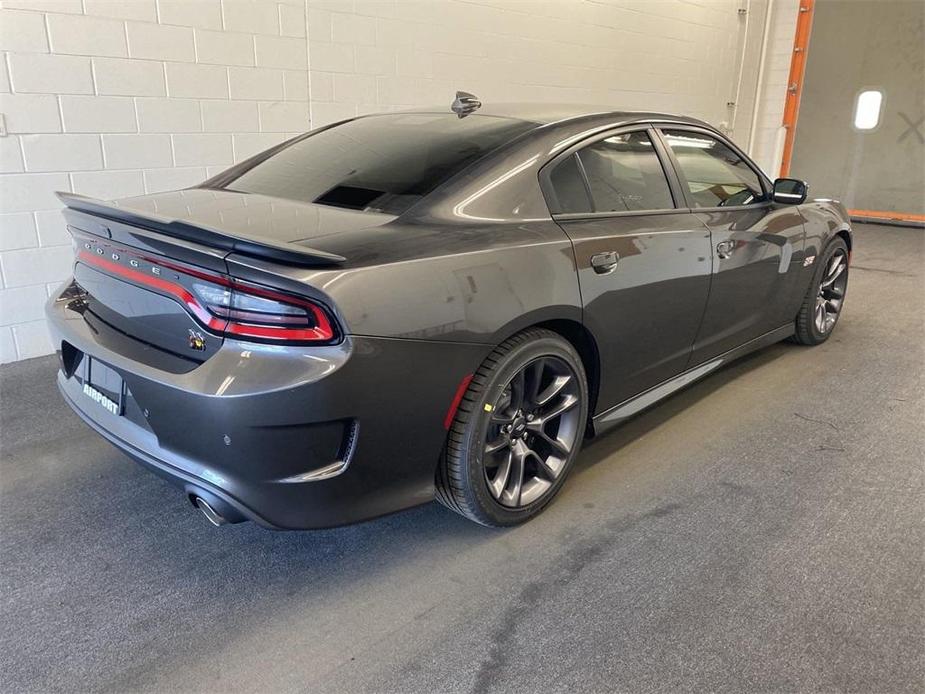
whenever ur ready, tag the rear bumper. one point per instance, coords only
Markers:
(174, 470)
(289, 437)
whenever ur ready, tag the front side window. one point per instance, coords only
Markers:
(714, 174)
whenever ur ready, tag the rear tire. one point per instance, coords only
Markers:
(823, 302)
(517, 431)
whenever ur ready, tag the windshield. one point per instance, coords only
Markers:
(380, 163)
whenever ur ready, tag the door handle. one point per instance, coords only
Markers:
(724, 249)
(604, 262)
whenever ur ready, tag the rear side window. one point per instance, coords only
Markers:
(569, 186)
(623, 174)
(379, 163)
(714, 174)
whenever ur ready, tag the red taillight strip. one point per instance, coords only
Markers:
(175, 290)
(269, 332)
(323, 329)
(321, 332)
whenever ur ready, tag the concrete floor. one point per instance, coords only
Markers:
(763, 530)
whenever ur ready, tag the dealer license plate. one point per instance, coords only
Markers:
(103, 385)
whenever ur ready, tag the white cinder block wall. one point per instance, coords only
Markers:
(112, 98)
(774, 89)
(640, 54)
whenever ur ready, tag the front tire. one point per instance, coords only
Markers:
(823, 302)
(517, 431)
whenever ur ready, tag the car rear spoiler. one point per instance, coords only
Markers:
(255, 247)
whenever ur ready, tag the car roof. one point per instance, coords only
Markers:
(549, 113)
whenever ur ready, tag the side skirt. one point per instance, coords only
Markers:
(630, 408)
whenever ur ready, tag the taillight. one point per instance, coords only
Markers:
(223, 305)
(255, 312)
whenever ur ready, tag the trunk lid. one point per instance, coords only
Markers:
(147, 267)
(261, 218)
(123, 291)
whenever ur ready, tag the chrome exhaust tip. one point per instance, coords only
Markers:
(213, 516)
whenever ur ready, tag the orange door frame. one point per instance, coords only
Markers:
(795, 80)
(888, 216)
(792, 109)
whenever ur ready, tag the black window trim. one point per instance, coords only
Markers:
(674, 184)
(684, 189)
(584, 177)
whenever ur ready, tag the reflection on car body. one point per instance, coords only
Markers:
(433, 302)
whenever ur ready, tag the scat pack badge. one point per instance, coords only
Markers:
(196, 340)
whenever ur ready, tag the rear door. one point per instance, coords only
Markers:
(643, 258)
(757, 246)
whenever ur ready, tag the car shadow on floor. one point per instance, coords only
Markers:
(104, 532)
(77, 481)
(608, 445)
(119, 493)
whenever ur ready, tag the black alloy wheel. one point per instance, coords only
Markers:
(825, 299)
(831, 292)
(533, 429)
(517, 431)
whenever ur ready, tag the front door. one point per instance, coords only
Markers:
(757, 246)
(643, 263)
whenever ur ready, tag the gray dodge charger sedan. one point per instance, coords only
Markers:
(436, 303)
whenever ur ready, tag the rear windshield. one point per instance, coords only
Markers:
(379, 163)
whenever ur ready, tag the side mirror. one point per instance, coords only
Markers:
(790, 191)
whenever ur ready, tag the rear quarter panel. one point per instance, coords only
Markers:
(458, 283)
